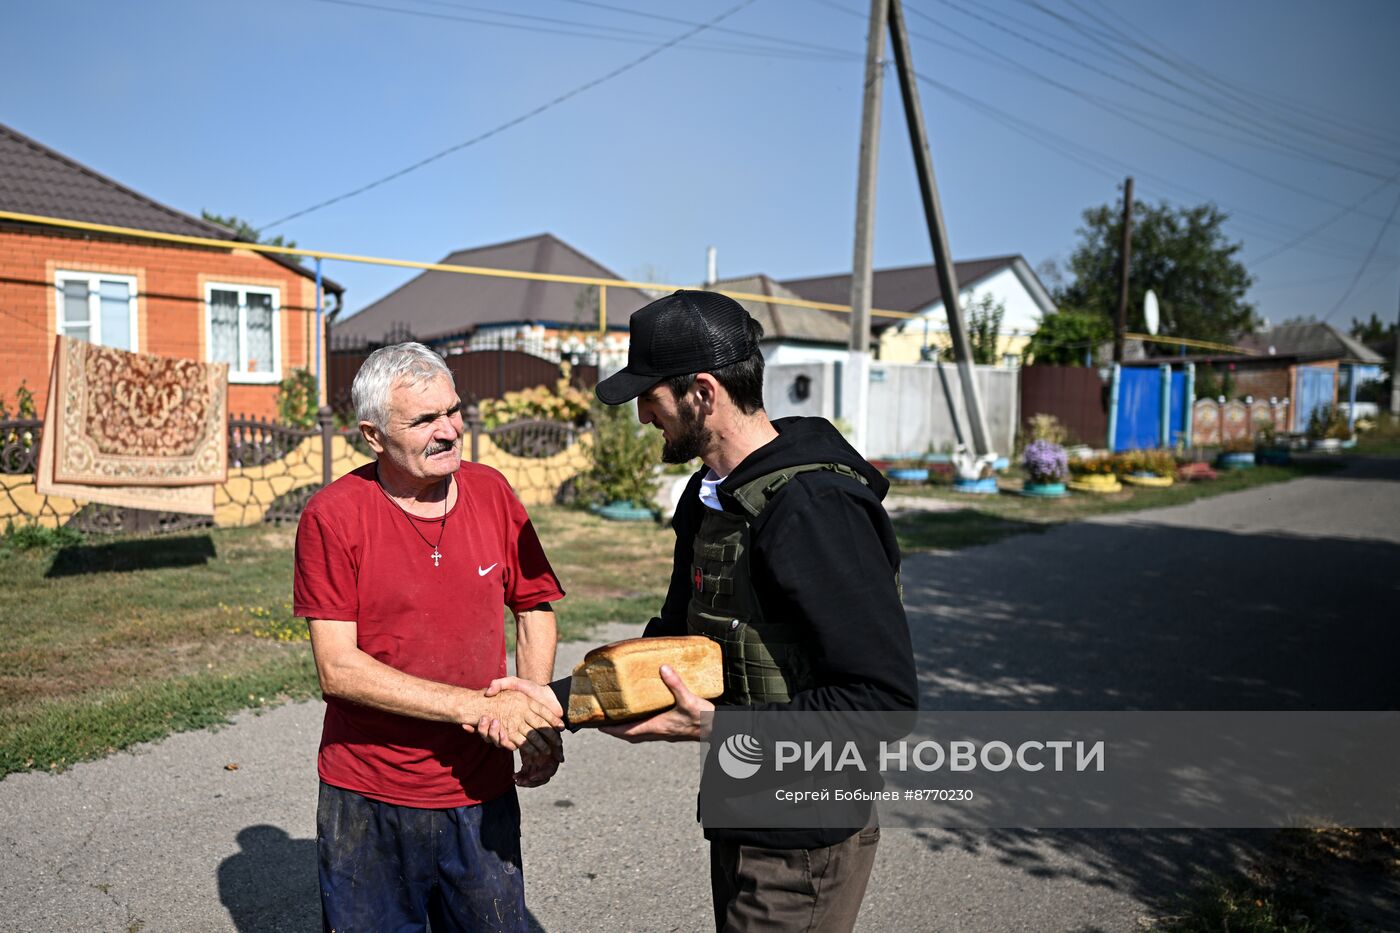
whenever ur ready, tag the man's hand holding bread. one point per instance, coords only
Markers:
(689, 720)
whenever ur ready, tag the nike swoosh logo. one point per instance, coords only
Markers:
(483, 572)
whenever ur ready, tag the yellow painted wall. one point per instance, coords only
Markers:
(905, 348)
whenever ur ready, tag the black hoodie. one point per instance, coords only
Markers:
(823, 553)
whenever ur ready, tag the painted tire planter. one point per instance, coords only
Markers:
(1273, 456)
(909, 474)
(1098, 483)
(980, 487)
(1149, 480)
(622, 512)
(1236, 461)
(1044, 490)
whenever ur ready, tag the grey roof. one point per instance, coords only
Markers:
(785, 322)
(436, 304)
(35, 179)
(1312, 340)
(907, 288)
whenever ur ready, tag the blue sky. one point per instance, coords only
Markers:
(264, 107)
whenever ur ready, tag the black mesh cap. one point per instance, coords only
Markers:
(685, 332)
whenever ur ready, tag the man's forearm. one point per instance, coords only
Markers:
(359, 678)
(536, 634)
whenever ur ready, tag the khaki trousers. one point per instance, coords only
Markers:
(759, 890)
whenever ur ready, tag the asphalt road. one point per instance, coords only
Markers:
(1283, 597)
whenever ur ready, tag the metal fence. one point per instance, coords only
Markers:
(1076, 395)
(274, 469)
(488, 366)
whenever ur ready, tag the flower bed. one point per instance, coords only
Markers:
(1046, 469)
(1097, 483)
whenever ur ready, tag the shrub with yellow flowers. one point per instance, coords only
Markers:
(561, 402)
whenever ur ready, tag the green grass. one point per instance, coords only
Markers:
(1382, 440)
(111, 642)
(985, 519)
(1368, 446)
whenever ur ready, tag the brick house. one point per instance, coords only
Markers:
(255, 311)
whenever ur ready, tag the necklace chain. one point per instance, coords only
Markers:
(442, 522)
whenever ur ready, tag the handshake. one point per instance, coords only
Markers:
(521, 715)
(634, 689)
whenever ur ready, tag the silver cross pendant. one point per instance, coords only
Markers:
(436, 557)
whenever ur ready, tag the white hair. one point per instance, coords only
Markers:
(406, 363)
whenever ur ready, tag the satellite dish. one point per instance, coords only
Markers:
(1149, 311)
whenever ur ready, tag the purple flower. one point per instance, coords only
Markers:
(1044, 462)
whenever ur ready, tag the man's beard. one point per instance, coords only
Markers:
(694, 437)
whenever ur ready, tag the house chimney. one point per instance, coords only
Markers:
(711, 266)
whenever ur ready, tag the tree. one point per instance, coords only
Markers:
(246, 231)
(1182, 254)
(1375, 333)
(1067, 337)
(984, 318)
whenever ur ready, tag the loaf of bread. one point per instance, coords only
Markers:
(622, 681)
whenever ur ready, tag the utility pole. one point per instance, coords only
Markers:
(1126, 258)
(857, 375)
(1395, 372)
(938, 235)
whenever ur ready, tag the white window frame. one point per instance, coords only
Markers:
(237, 372)
(94, 280)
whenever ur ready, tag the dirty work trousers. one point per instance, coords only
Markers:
(385, 867)
(758, 890)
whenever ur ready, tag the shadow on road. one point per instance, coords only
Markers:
(270, 885)
(1151, 617)
(1360, 468)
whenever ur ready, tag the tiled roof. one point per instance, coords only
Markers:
(908, 288)
(785, 322)
(35, 179)
(435, 304)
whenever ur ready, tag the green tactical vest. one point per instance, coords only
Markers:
(765, 660)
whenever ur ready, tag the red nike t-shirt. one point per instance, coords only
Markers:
(359, 559)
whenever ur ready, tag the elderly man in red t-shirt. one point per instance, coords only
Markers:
(402, 569)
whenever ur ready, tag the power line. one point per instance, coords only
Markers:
(1380, 234)
(1117, 111)
(1089, 157)
(1239, 92)
(1328, 222)
(1303, 283)
(830, 49)
(620, 70)
(1110, 43)
(597, 31)
(1132, 84)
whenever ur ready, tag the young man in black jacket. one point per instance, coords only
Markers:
(785, 556)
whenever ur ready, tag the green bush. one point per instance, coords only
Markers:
(624, 457)
(1327, 421)
(297, 397)
(31, 537)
